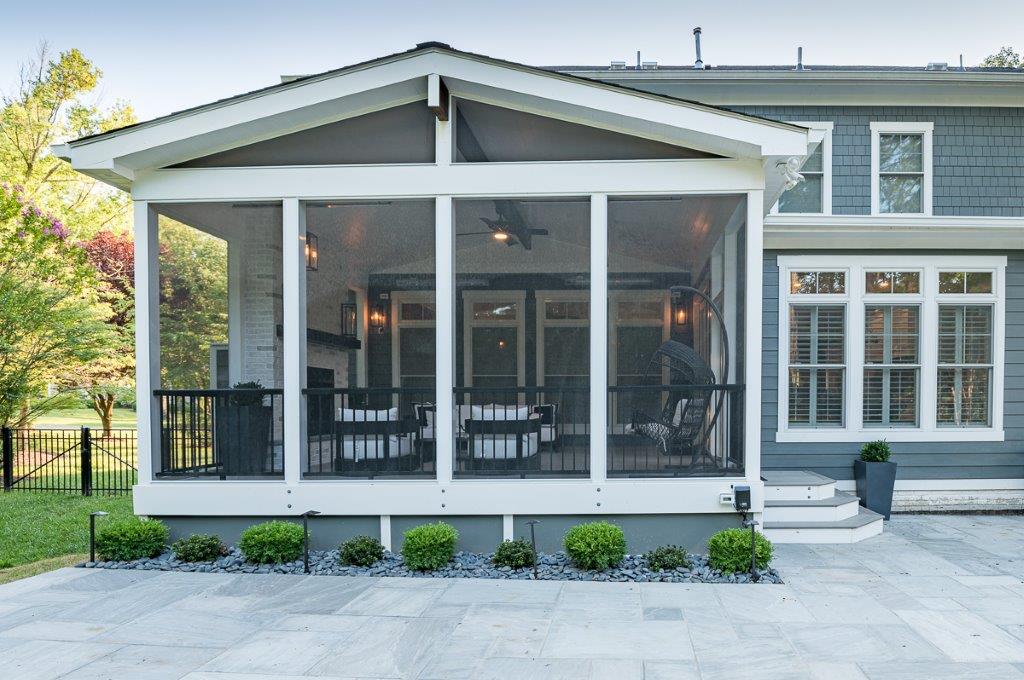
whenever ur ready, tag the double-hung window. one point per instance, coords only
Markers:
(906, 349)
(812, 196)
(901, 168)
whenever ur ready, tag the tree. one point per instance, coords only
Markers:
(111, 376)
(47, 107)
(50, 316)
(1004, 58)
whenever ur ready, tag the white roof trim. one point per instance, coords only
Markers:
(402, 79)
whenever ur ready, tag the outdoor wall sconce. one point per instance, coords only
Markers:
(378, 318)
(312, 252)
(92, 533)
(348, 319)
(305, 537)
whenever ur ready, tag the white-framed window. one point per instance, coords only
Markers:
(900, 348)
(494, 338)
(413, 339)
(813, 196)
(901, 168)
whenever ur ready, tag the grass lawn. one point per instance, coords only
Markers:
(45, 526)
(77, 417)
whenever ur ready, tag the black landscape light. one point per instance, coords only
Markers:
(533, 541)
(92, 533)
(752, 523)
(305, 537)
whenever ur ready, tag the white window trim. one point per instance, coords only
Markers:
(855, 298)
(469, 323)
(925, 129)
(826, 168)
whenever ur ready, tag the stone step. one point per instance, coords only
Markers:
(797, 485)
(839, 507)
(850, 530)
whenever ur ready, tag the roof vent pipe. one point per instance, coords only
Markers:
(799, 59)
(696, 38)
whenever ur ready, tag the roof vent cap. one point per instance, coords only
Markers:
(937, 66)
(649, 65)
(618, 66)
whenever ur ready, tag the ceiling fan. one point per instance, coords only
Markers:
(509, 228)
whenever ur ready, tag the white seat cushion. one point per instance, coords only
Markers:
(503, 447)
(363, 415)
(357, 448)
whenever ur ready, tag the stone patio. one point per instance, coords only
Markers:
(934, 597)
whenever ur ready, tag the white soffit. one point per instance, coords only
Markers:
(115, 157)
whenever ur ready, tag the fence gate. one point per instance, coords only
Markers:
(79, 461)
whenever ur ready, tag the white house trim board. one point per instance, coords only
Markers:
(929, 299)
(892, 231)
(925, 129)
(147, 334)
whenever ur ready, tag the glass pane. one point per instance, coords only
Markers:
(831, 282)
(963, 397)
(892, 282)
(566, 310)
(639, 309)
(813, 162)
(890, 397)
(805, 197)
(900, 153)
(495, 310)
(906, 282)
(416, 350)
(495, 352)
(822, 283)
(979, 282)
(486, 134)
(952, 282)
(566, 352)
(417, 311)
(816, 397)
(965, 334)
(900, 194)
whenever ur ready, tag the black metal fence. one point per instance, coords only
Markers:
(75, 461)
(225, 434)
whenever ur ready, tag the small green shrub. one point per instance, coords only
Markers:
(596, 545)
(199, 548)
(516, 554)
(247, 398)
(361, 551)
(272, 542)
(429, 546)
(875, 452)
(131, 539)
(729, 550)
(667, 557)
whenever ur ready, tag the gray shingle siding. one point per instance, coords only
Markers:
(954, 460)
(978, 155)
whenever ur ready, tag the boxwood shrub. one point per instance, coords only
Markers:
(875, 452)
(429, 546)
(596, 545)
(131, 539)
(361, 551)
(667, 557)
(729, 550)
(271, 542)
(199, 548)
(516, 554)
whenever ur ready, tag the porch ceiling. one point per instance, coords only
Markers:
(118, 156)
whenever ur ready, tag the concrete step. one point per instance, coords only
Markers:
(797, 485)
(850, 530)
(841, 506)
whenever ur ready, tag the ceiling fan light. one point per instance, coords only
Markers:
(500, 236)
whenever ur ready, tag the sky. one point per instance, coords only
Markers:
(166, 56)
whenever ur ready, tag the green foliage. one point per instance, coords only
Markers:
(429, 546)
(250, 399)
(1006, 57)
(272, 542)
(875, 452)
(516, 554)
(729, 550)
(131, 539)
(361, 551)
(596, 545)
(667, 557)
(199, 548)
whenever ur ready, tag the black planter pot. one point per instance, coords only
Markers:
(243, 438)
(875, 482)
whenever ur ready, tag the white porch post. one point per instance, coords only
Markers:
(444, 416)
(752, 331)
(294, 315)
(147, 337)
(598, 337)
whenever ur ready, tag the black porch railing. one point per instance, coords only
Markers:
(369, 432)
(75, 461)
(675, 430)
(225, 434)
(522, 432)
